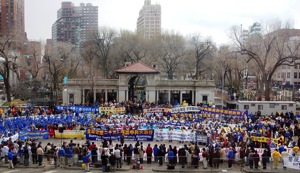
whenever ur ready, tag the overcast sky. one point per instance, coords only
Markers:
(210, 18)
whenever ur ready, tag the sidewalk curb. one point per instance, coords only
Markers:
(51, 167)
(22, 167)
(186, 170)
(270, 170)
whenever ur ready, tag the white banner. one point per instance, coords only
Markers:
(292, 162)
(178, 135)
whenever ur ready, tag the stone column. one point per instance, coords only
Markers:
(169, 96)
(106, 95)
(83, 97)
(193, 98)
(180, 97)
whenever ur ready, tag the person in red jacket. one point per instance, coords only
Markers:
(149, 153)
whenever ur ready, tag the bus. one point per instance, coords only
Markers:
(265, 107)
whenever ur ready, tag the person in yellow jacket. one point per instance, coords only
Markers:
(276, 156)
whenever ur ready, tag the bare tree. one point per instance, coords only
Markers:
(104, 42)
(56, 61)
(200, 49)
(172, 51)
(132, 46)
(9, 64)
(268, 50)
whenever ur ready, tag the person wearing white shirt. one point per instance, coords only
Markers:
(117, 153)
(5, 152)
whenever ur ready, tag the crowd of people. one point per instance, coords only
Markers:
(233, 133)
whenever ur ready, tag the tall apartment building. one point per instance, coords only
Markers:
(149, 20)
(74, 24)
(12, 22)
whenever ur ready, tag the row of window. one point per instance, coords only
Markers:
(271, 105)
(288, 75)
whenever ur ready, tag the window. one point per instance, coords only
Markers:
(295, 75)
(291, 105)
(260, 107)
(272, 105)
(296, 66)
(283, 107)
(283, 75)
(246, 107)
(288, 75)
(252, 104)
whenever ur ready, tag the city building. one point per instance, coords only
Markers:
(75, 24)
(12, 20)
(138, 81)
(255, 28)
(149, 20)
(12, 27)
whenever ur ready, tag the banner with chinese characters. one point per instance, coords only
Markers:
(120, 110)
(292, 162)
(179, 135)
(79, 109)
(263, 139)
(129, 135)
(33, 135)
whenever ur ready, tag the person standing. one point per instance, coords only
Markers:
(10, 159)
(141, 154)
(230, 157)
(117, 153)
(276, 156)
(40, 154)
(61, 155)
(216, 158)
(205, 158)
(26, 155)
(284, 154)
(33, 153)
(265, 159)
(86, 161)
(149, 153)
(255, 159)
(242, 156)
(129, 154)
(250, 158)
(76, 151)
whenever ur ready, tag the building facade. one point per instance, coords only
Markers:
(149, 20)
(74, 24)
(12, 18)
(138, 81)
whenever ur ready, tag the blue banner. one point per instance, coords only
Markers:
(33, 135)
(79, 109)
(129, 135)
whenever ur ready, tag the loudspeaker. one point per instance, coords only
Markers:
(60, 129)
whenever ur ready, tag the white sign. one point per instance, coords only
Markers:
(292, 162)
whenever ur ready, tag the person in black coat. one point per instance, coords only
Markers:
(265, 159)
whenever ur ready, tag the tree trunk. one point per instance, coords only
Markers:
(267, 89)
(7, 89)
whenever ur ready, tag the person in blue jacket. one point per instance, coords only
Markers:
(61, 155)
(69, 155)
(10, 159)
(230, 156)
(171, 157)
(86, 161)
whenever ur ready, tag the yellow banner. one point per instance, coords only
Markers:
(263, 139)
(120, 110)
(70, 134)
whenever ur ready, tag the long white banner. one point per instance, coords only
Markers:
(178, 135)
